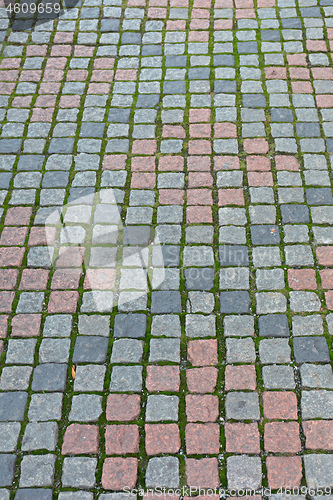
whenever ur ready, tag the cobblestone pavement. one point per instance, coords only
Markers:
(209, 124)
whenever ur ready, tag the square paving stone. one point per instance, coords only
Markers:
(119, 115)
(242, 406)
(79, 472)
(12, 406)
(94, 325)
(317, 404)
(238, 326)
(127, 351)
(235, 302)
(7, 467)
(294, 214)
(44, 407)
(317, 376)
(21, 351)
(244, 472)
(274, 351)
(86, 408)
(9, 434)
(240, 350)
(162, 408)
(54, 351)
(307, 325)
(318, 470)
(199, 278)
(76, 495)
(59, 325)
(199, 325)
(30, 302)
(50, 377)
(319, 196)
(90, 349)
(126, 379)
(165, 302)
(33, 494)
(281, 115)
(15, 378)
(39, 436)
(278, 377)
(130, 325)
(162, 472)
(273, 325)
(89, 378)
(164, 350)
(311, 349)
(37, 470)
(233, 255)
(265, 235)
(167, 325)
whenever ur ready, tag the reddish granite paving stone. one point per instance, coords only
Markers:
(255, 146)
(199, 179)
(3, 325)
(329, 300)
(201, 380)
(284, 472)
(70, 257)
(1, 346)
(231, 197)
(170, 163)
(318, 434)
(199, 197)
(8, 278)
(172, 197)
(325, 256)
(322, 73)
(326, 276)
(302, 279)
(66, 279)
(197, 215)
(260, 178)
(119, 473)
(198, 115)
(22, 101)
(225, 130)
(143, 164)
(273, 72)
(176, 131)
(121, 439)
(242, 438)
(101, 75)
(26, 325)
(202, 408)
(202, 473)
(202, 439)
(200, 130)
(297, 59)
(299, 73)
(64, 302)
(100, 279)
(143, 180)
(240, 378)
(301, 87)
(280, 405)
(199, 147)
(6, 300)
(80, 439)
(18, 216)
(324, 101)
(123, 407)
(34, 279)
(114, 162)
(38, 236)
(163, 378)
(63, 50)
(285, 162)
(282, 437)
(202, 352)
(12, 236)
(126, 74)
(198, 163)
(42, 115)
(258, 163)
(162, 438)
(101, 62)
(144, 147)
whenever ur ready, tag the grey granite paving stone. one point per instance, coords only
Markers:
(316, 376)
(162, 472)
(273, 325)
(37, 470)
(33, 494)
(126, 379)
(243, 472)
(235, 302)
(242, 406)
(89, 378)
(12, 406)
(79, 472)
(21, 351)
(127, 351)
(318, 470)
(307, 325)
(9, 434)
(164, 350)
(311, 350)
(165, 302)
(198, 325)
(85, 408)
(162, 408)
(38, 436)
(265, 235)
(7, 466)
(274, 351)
(59, 325)
(317, 404)
(240, 350)
(50, 377)
(89, 349)
(278, 377)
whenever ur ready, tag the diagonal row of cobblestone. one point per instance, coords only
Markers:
(166, 249)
